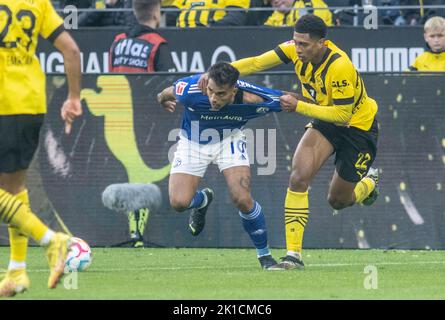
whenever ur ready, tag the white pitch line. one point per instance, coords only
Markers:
(324, 265)
(370, 263)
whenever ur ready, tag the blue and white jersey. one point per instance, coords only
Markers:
(198, 115)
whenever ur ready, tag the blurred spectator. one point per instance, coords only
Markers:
(258, 18)
(193, 13)
(433, 59)
(389, 16)
(345, 17)
(142, 49)
(286, 15)
(428, 13)
(114, 18)
(401, 17)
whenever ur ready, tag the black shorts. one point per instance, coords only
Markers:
(19, 140)
(355, 149)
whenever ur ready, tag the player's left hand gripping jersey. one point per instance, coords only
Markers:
(198, 116)
(22, 81)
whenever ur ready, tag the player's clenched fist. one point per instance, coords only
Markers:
(167, 99)
(169, 106)
(288, 103)
(71, 109)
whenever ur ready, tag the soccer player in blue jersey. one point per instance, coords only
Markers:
(212, 132)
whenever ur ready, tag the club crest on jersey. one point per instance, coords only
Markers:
(180, 87)
(262, 110)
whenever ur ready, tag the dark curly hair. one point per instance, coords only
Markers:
(311, 24)
(223, 73)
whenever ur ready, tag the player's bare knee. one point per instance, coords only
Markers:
(179, 203)
(298, 182)
(337, 203)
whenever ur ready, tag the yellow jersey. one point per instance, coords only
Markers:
(22, 81)
(334, 84)
(193, 12)
(167, 3)
(429, 61)
(279, 19)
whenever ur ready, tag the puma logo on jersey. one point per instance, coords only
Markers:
(341, 91)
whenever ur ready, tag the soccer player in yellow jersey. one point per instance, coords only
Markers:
(344, 123)
(434, 58)
(22, 109)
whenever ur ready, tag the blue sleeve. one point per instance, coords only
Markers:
(275, 106)
(182, 87)
(275, 92)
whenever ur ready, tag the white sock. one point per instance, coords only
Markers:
(16, 265)
(47, 238)
(294, 254)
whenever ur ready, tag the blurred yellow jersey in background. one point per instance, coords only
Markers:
(192, 14)
(22, 81)
(429, 61)
(167, 3)
(300, 8)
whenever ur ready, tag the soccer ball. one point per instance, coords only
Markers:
(79, 256)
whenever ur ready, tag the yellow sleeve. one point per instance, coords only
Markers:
(238, 3)
(336, 114)
(259, 63)
(343, 94)
(52, 23)
(267, 60)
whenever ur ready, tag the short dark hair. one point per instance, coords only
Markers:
(223, 73)
(143, 9)
(313, 25)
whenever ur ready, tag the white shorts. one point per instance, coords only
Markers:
(194, 158)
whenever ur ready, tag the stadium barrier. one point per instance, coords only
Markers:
(387, 49)
(123, 136)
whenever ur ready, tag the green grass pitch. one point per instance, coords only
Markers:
(235, 274)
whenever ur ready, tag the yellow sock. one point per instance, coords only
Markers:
(296, 212)
(17, 240)
(17, 214)
(363, 188)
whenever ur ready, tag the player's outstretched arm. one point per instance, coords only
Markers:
(167, 99)
(300, 97)
(247, 66)
(72, 107)
(335, 113)
(258, 63)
